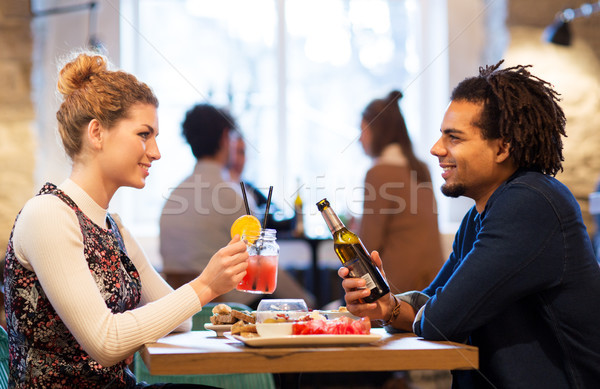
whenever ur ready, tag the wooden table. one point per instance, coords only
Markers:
(201, 352)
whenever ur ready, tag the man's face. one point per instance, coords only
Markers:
(471, 163)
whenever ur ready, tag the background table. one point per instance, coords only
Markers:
(201, 352)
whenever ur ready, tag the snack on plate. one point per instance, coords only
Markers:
(221, 309)
(244, 329)
(222, 319)
(343, 309)
(224, 315)
(244, 316)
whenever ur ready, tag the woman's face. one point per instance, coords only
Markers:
(366, 137)
(129, 148)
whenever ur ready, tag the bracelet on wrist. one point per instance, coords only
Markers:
(395, 312)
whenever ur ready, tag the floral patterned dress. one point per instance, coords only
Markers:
(42, 351)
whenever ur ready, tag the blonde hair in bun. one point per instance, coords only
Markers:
(91, 91)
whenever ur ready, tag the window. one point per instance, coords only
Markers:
(296, 74)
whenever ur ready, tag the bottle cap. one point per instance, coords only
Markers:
(322, 204)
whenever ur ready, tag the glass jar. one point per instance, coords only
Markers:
(261, 274)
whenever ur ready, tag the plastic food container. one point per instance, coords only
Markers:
(281, 310)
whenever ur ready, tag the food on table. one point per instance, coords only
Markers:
(224, 315)
(247, 330)
(244, 316)
(340, 326)
(313, 323)
(246, 225)
(342, 309)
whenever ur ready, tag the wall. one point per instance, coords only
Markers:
(471, 25)
(17, 146)
(540, 13)
(574, 71)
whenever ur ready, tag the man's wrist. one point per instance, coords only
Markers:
(395, 312)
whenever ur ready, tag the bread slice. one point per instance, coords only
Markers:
(243, 315)
(221, 309)
(222, 319)
(241, 327)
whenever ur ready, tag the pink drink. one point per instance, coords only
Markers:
(261, 274)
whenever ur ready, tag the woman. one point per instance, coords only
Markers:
(400, 214)
(81, 297)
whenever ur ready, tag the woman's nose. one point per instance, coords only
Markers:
(152, 150)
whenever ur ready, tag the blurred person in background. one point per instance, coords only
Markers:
(399, 213)
(199, 212)
(235, 169)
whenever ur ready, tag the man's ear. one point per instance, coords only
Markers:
(503, 152)
(95, 134)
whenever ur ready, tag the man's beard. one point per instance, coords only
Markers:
(455, 190)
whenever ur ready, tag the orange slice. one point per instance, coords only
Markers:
(246, 225)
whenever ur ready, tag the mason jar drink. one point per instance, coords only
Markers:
(261, 274)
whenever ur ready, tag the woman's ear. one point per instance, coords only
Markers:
(95, 134)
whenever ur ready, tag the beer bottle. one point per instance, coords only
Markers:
(299, 226)
(353, 255)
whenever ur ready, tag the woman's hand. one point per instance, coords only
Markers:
(355, 289)
(224, 271)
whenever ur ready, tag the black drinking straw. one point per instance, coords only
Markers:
(246, 198)
(268, 205)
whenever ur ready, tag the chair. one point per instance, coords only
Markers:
(227, 381)
(3, 358)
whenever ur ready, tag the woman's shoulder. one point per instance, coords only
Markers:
(44, 207)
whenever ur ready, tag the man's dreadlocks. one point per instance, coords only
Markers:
(523, 110)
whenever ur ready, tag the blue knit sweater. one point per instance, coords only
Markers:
(522, 284)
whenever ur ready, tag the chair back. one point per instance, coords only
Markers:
(3, 358)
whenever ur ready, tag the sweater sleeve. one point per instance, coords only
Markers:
(56, 255)
(154, 287)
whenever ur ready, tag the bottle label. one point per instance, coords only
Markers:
(358, 270)
(369, 280)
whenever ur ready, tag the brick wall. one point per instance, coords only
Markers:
(17, 149)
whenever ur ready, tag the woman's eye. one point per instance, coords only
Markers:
(144, 135)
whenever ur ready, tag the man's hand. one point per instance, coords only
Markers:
(355, 289)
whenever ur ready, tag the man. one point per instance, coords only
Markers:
(521, 283)
(198, 214)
